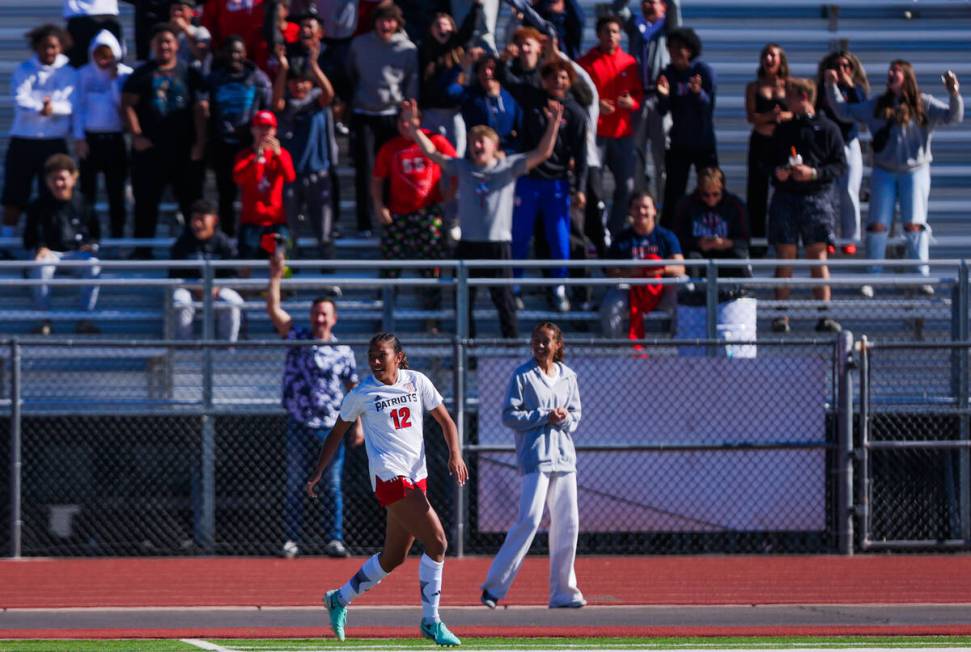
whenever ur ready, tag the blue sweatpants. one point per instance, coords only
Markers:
(551, 200)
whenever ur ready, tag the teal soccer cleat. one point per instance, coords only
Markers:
(439, 633)
(337, 613)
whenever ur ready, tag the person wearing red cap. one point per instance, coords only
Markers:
(260, 172)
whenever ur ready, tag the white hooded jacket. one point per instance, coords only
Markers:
(31, 83)
(97, 106)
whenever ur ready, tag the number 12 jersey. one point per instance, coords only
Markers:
(392, 420)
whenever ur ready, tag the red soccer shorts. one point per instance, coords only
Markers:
(389, 492)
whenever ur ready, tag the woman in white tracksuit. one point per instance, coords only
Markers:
(543, 408)
(901, 122)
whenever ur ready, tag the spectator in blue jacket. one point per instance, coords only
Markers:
(686, 90)
(486, 102)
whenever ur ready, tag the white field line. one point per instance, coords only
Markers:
(205, 645)
(516, 645)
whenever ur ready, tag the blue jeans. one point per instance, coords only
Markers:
(303, 450)
(550, 198)
(911, 190)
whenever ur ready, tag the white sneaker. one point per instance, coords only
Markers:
(926, 290)
(560, 302)
(867, 291)
(290, 549)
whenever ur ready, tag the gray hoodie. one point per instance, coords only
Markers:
(531, 397)
(384, 74)
(97, 104)
(908, 146)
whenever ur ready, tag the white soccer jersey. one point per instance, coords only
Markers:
(392, 420)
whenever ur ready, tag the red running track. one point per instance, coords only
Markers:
(233, 581)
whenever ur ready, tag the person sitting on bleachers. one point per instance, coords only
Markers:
(99, 138)
(203, 240)
(713, 223)
(58, 230)
(644, 240)
(43, 94)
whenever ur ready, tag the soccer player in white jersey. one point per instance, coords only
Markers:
(391, 402)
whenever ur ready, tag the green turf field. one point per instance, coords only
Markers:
(535, 644)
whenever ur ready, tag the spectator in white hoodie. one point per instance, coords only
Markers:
(85, 20)
(98, 131)
(43, 90)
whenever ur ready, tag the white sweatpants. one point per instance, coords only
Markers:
(559, 492)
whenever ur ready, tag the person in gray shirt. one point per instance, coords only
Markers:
(486, 189)
(542, 408)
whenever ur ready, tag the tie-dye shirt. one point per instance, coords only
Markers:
(314, 380)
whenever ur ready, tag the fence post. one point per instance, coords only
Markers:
(844, 442)
(964, 455)
(16, 466)
(206, 516)
(863, 484)
(711, 305)
(461, 333)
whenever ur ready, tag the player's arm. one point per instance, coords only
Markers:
(355, 435)
(331, 444)
(282, 321)
(456, 465)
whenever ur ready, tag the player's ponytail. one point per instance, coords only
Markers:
(557, 337)
(383, 337)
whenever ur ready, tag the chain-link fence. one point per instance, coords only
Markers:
(914, 444)
(159, 448)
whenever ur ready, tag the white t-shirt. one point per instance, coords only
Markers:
(392, 420)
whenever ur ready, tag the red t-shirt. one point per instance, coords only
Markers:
(261, 185)
(242, 17)
(413, 177)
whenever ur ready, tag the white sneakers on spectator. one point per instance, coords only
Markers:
(290, 549)
(867, 291)
(335, 548)
(560, 302)
(926, 290)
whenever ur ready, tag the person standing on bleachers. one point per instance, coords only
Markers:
(302, 98)
(99, 138)
(765, 108)
(43, 98)
(203, 240)
(261, 171)
(686, 89)
(245, 18)
(57, 230)
(235, 90)
(619, 88)
(383, 68)
(901, 121)
(162, 111)
(855, 87)
(807, 159)
(647, 35)
(85, 20)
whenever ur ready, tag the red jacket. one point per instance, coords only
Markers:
(242, 17)
(261, 185)
(614, 74)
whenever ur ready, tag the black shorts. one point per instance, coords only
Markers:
(255, 242)
(25, 163)
(807, 218)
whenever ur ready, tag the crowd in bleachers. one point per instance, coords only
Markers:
(257, 91)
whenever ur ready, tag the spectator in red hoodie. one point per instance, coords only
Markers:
(615, 74)
(244, 18)
(261, 172)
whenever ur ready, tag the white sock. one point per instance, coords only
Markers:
(430, 580)
(363, 581)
